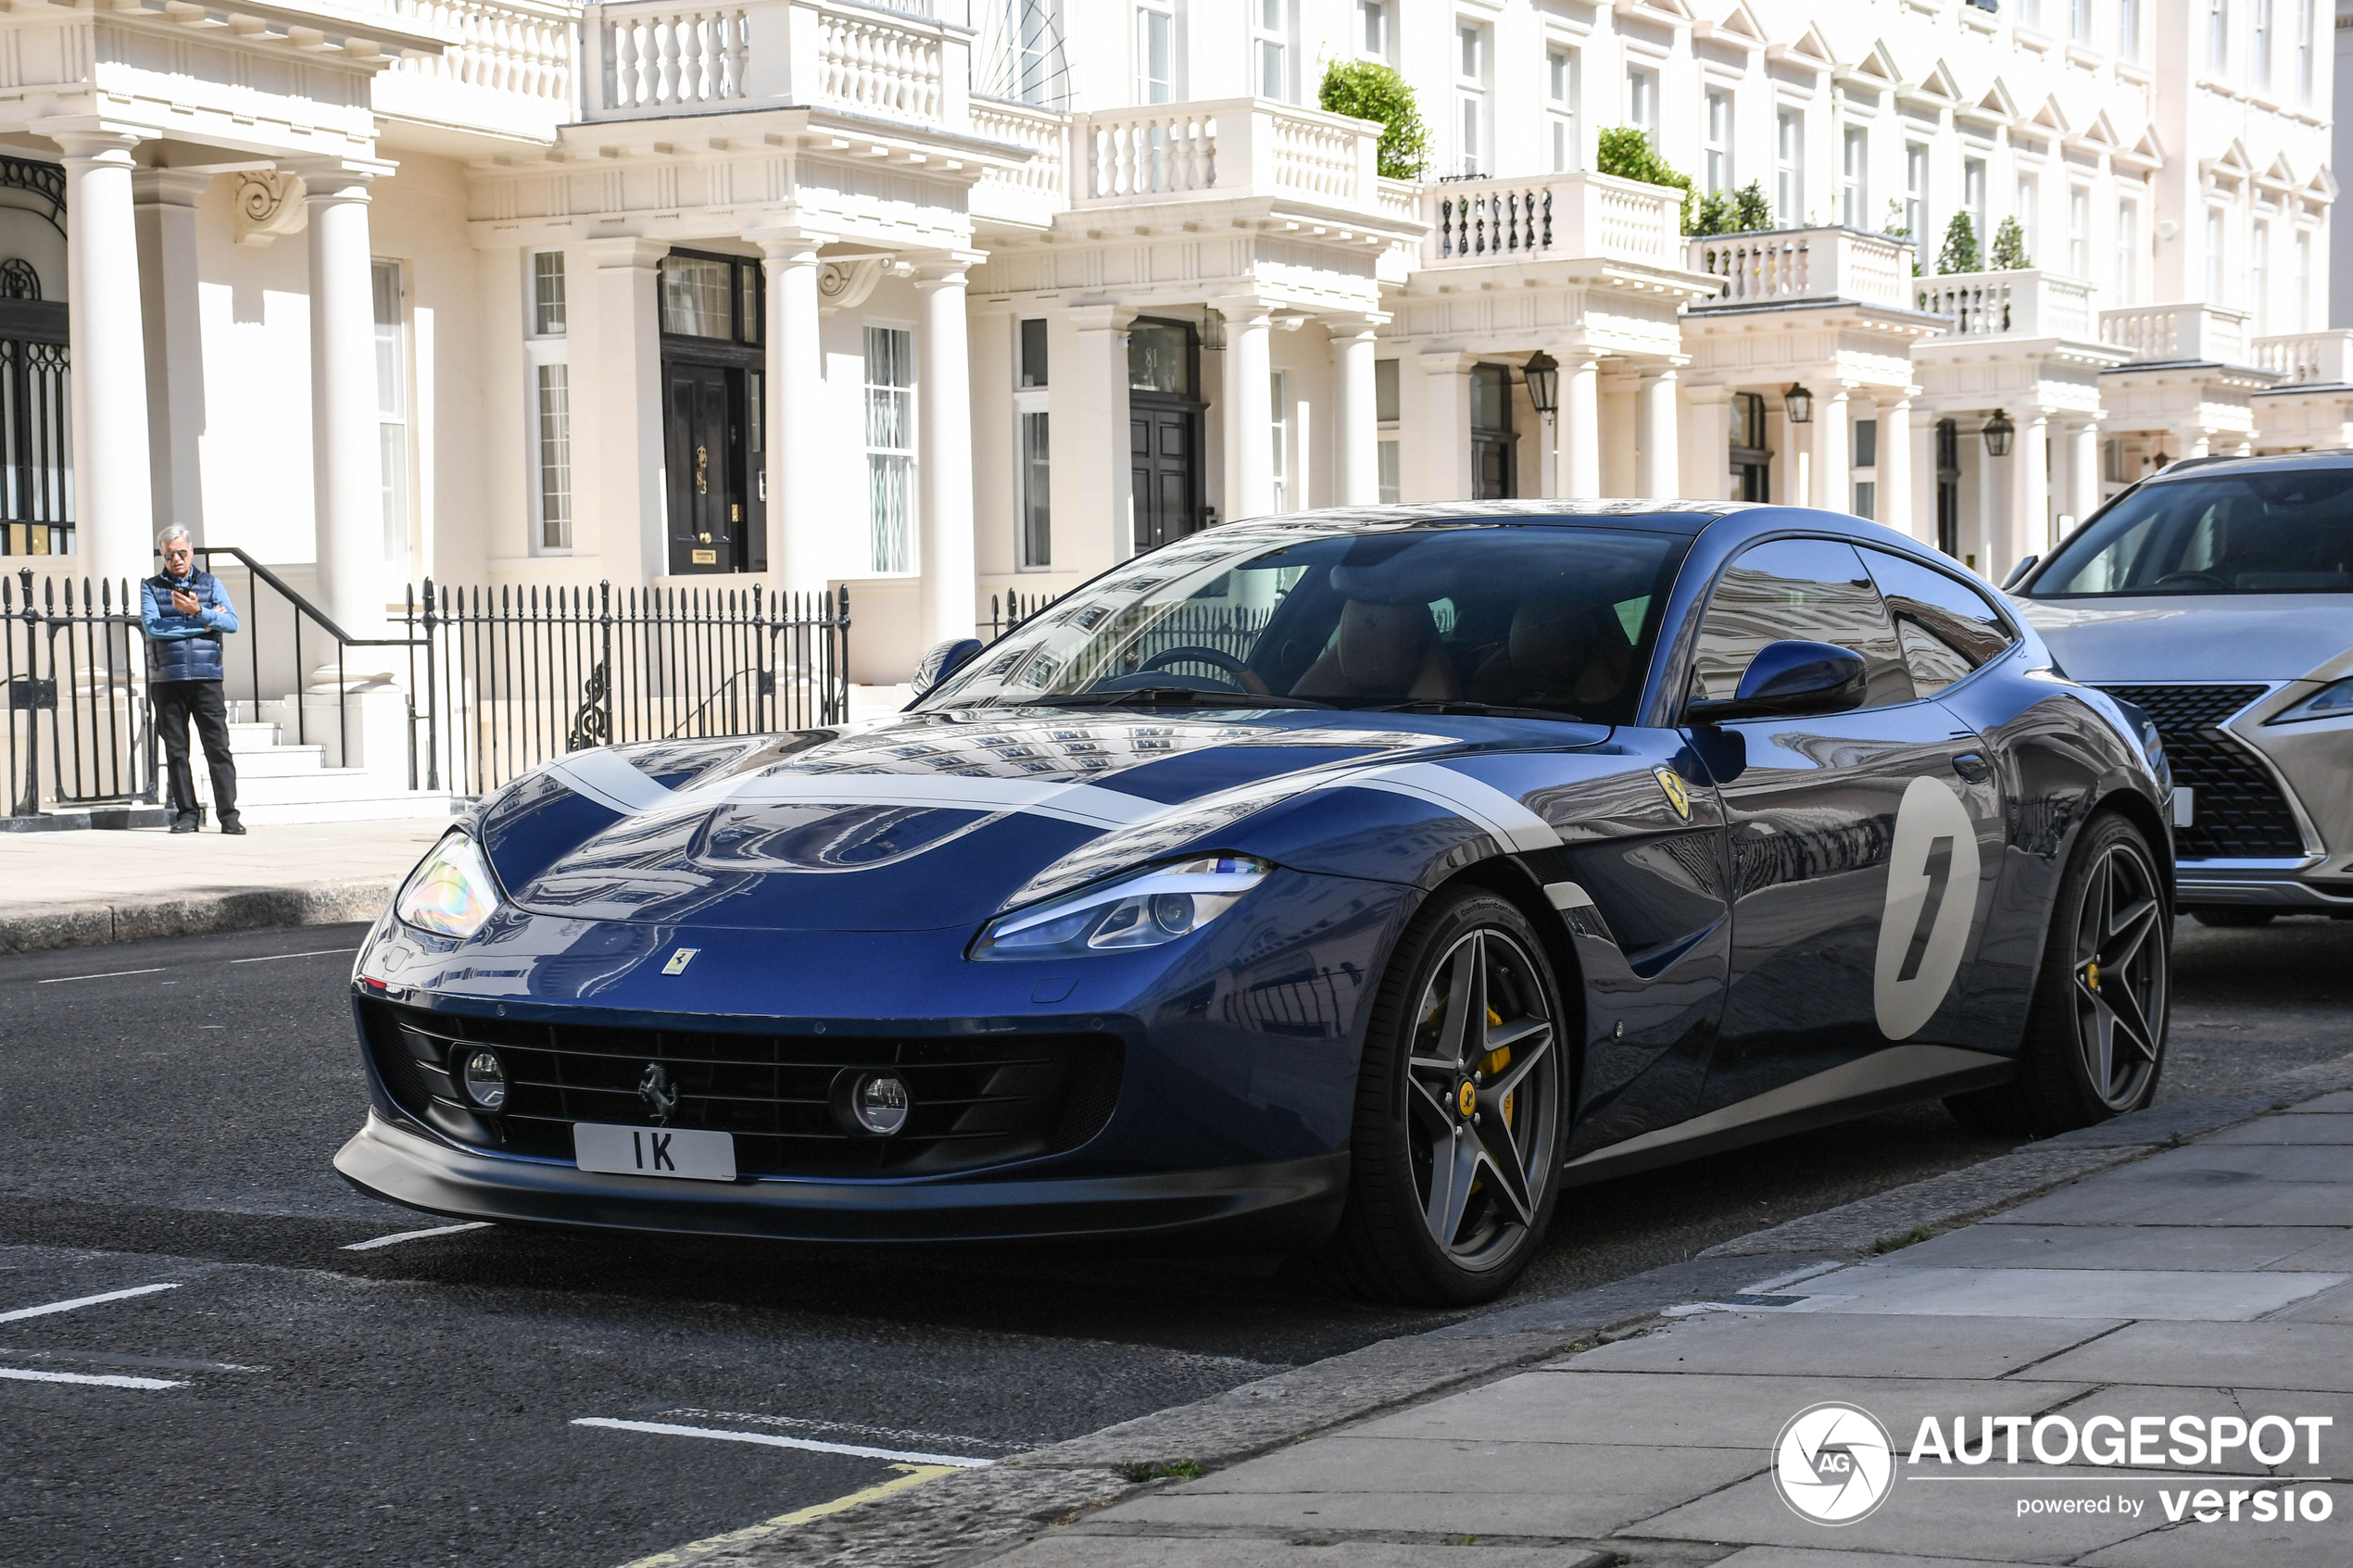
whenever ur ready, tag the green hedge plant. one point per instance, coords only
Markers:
(1364, 90)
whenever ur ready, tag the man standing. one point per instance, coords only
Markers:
(186, 616)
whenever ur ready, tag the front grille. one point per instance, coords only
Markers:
(2240, 813)
(978, 1100)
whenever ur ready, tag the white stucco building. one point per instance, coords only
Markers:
(955, 298)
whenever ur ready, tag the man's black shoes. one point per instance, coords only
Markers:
(231, 825)
(184, 823)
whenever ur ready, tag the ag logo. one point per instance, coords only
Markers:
(1834, 1464)
(1670, 782)
(1932, 893)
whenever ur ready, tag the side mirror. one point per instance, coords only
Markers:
(2018, 573)
(1788, 679)
(940, 661)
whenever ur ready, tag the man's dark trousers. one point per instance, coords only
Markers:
(176, 703)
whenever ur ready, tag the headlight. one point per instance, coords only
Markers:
(1143, 910)
(2332, 701)
(451, 892)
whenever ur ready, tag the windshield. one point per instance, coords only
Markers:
(2285, 532)
(1556, 620)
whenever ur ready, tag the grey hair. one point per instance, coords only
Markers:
(176, 531)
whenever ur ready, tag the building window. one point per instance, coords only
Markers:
(2263, 44)
(548, 294)
(890, 449)
(1867, 461)
(392, 409)
(1916, 201)
(2258, 277)
(2302, 282)
(1560, 109)
(1973, 200)
(2128, 29)
(1789, 167)
(1033, 352)
(1715, 140)
(1854, 190)
(1385, 415)
(1155, 55)
(1278, 400)
(2079, 21)
(2029, 213)
(2304, 51)
(2218, 35)
(1033, 482)
(1270, 47)
(553, 412)
(2214, 274)
(1470, 98)
(1642, 101)
(2029, 13)
(2128, 252)
(1372, 29)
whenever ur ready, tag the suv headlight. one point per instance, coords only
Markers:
(1143, 909)
(2332, 701)
(451, 892)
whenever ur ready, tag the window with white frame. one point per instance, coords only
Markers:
(1385, 418)
(1030, 43)
(2301, 305)
(2128, 29)
(1560, 109)
(2128, 251)
(1865, 450)
(2263, 45)
(1642, 101)
(546, 356)
(1372, 29)
(1155, 52)
(1270, 48)
(2258, 277)
(2304, 51)
(1715, 140)
(2214, 272)
(2030, 212)
(392, 408)
(1278, 399)
(891, 450)
(1854, 185)
(1789, 167)
(1973, 200)
(2218, 35)
(2079, 230)
(1470, 98)
(1915, 202)
(2079, 21)
(1034, 479)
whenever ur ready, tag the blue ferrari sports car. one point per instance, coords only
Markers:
(1347, 882)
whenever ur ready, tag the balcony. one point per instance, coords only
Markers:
(2307, 358)
(1481, 222)
(2010, 305)
(1794, 265)
(1227, 148)
(654, 58)
(507, 67)
(2159, 333)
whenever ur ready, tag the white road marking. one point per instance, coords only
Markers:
(314, 953)
(94, 1379)
(398, 1237)
(772, 1440)
(85, 1301)
(110, 974)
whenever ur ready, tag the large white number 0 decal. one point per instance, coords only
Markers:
(1931, 894)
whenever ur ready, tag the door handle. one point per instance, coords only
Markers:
(1973, 767)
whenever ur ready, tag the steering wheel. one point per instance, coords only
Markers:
(1243, 675)
(2191, 579)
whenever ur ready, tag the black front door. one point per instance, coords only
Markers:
(1752, 463)
(705, 459)
(1166, 468)
(1494, 449)
(1949, 488)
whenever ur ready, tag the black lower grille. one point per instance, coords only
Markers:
(977, 1100)
(2240, 813)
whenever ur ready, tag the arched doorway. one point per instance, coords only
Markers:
(36, 441)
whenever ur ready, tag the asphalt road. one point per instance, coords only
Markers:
(167, 1112)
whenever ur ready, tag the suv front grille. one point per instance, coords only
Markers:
(978, 1100)
(2240, 813)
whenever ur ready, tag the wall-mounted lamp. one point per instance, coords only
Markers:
(1543, 373)
(1799, 404)
(1212, 328)
(1998, 431)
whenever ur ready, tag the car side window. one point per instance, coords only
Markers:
(1810, 590)
(1947, 628)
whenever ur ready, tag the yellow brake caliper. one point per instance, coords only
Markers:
(1497, 1059)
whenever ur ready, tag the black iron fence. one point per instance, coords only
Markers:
(78, 730)
(1230, 630)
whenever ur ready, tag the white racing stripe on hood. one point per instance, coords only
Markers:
(1509, 821)
(1087, 805)
(610, 781)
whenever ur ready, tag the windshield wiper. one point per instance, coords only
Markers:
(1167, 697)
(1482, 709)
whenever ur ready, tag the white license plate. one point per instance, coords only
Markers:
(655, 1151)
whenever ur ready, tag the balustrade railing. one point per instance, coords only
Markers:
(2196, 331)
(2025, 304)
(1238, 146)
(662, 57)
(876, 66)
(1031, 192)
(515, 50)
(2307, 358)
(1478, 221)
(1792, 264)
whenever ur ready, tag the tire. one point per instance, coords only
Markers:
(2094, 1043)
(2231, 919)
(1500, 1163)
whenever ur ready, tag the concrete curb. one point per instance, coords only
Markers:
(25, 929)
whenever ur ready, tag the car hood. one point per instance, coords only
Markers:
(2223, 637)
(927, 820)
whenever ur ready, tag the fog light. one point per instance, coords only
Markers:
(484, 1077)
(879, 1103)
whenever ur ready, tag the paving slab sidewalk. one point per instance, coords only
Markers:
(2211, 1279)
(76, 888)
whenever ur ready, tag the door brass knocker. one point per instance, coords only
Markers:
(702, 470)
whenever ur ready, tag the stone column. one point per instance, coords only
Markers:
(2082, 494)
(1246, 394)
(1446, 433)
(1896, 461)
(944, 452)
(626, 457)
(797, 455)
(114, 504)
(2028, 527)
(1711, 442)
(1660, 470)
(1579, 451)
(1922, 436)
(1833, 472)
(346, 468)
(165, 213)
(1093, 471)
(1356, 423)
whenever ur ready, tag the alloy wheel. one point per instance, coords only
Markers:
(2121, 975)
(1481, 1085)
